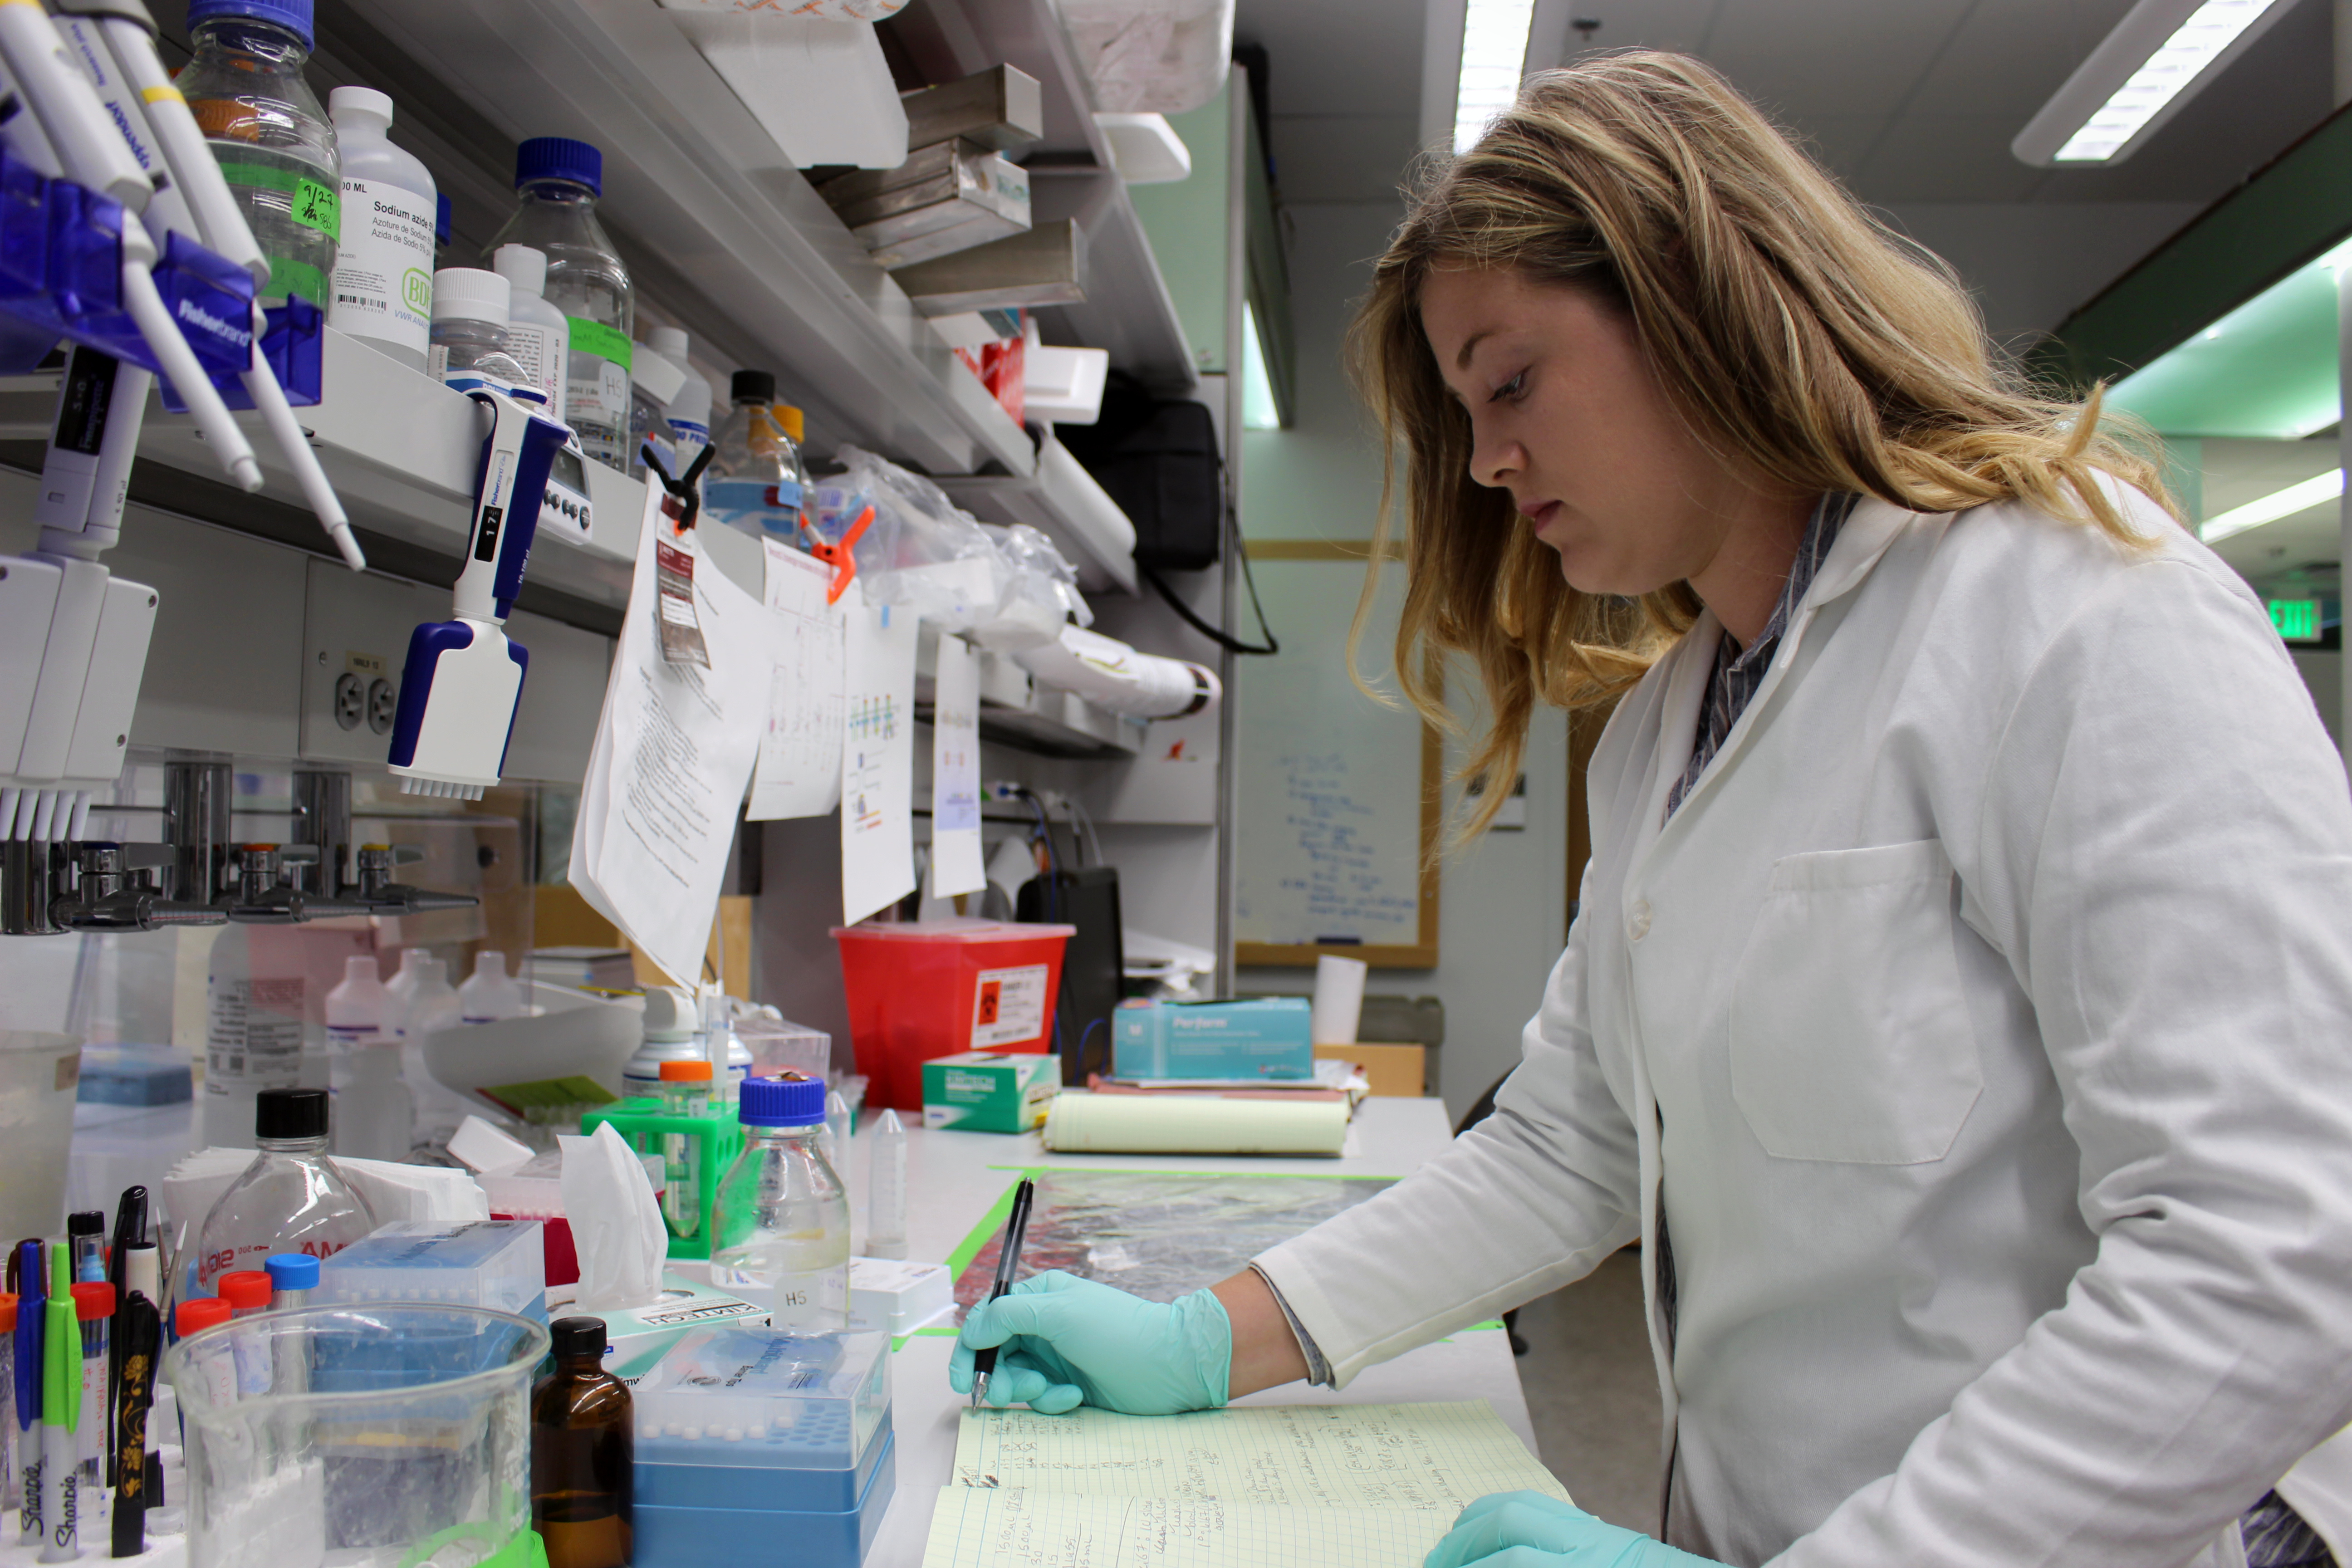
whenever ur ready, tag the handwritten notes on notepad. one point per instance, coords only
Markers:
(1336, 1486)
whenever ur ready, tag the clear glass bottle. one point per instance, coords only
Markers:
(755, 480)
(470, 333)
(583, 1453)
(686, 1090)
(783, 1212)
(292, 1198)
(257, 1025)
(274, 141)
(559, 180)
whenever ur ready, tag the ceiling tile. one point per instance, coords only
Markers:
(1342, 158)
(1945, 158)
(1338, 56)
(1830, 56)
(2009, 56)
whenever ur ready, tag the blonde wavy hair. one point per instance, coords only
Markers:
(1792, 332)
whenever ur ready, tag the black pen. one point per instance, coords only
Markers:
(137, 1471)
(129, 1231)
(1008, 1259)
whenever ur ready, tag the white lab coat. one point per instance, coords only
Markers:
(1983, 1018)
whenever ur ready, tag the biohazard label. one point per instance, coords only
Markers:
(1010, 1006)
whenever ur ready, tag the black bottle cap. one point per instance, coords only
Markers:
(755, 385)
(85, 1222)
(290, 1113)
(578, 1336)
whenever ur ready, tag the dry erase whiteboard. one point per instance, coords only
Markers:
(1336, 797)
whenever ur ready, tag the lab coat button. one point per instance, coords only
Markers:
(1638, 924)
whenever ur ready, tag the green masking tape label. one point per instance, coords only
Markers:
(595, 338)
(312, 204)
(288, 276)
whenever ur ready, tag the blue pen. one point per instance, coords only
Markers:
(32, 1295)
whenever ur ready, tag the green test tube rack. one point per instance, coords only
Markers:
(643, 1123)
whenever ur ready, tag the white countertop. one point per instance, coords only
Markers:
(954, 1178)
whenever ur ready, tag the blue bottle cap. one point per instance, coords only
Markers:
(294, 16)
(441, 218)
(560, 158)
(781, 1102)
(292, 1271)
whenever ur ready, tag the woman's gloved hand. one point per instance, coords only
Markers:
(1529, 1529)
(1067, 1342)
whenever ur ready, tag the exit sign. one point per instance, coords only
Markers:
(2298, 620)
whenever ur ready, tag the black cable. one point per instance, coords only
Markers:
(1225, 640)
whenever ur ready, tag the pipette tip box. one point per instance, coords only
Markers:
(501, 1264)
(758, 1447)
(898, 1296)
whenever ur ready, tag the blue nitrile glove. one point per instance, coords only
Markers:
(1069, 1341)
(1529, 1529)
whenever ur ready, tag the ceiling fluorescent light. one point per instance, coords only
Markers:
(2271, 508)
(2153, 61)
(1493, 56)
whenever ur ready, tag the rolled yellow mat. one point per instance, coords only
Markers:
(1175, 1124)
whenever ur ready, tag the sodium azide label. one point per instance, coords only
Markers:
(384, 270)
(1008, 1006)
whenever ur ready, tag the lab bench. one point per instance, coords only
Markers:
(953, 1181)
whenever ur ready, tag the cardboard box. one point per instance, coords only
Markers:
(990, 1091)
(1261, 1036)
(634, 1341)
(1402, 1070)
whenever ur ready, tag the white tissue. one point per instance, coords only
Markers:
(616, 1222)
(485, 1150)
(1339, 999)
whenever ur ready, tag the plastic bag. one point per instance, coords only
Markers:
(922, 551)
(1041, 593)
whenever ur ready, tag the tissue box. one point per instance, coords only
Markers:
(501, 1264)
(990, 1091)
(1260, 1038)
(634, 1341)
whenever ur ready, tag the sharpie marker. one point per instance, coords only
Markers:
(60, 1415)
(32, 1298)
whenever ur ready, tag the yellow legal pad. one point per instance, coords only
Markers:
(1292, 1486)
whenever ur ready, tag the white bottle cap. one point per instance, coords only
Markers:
(662, 377)
(491, 962)
(523, 266)
(670, 341)
(360, 968)
(351, 100)
(470, 294)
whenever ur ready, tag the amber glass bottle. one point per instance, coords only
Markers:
(581, 1453)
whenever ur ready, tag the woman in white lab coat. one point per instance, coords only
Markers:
(1959, 1009)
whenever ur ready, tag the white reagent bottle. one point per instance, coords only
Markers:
(538, 334)
(689, 411)
(382, 290)
(489, 993)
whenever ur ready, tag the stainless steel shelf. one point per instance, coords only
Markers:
(1018, 710)
(401, 450)
(1062, 500)
(1128, 308)
(691, 177)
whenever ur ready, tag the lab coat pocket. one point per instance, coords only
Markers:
(1850, 1038)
